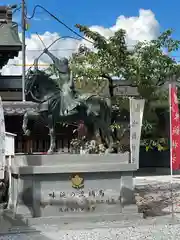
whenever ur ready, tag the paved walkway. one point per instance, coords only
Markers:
(152, 179)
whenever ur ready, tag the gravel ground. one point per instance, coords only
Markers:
(166, 232)
(152, 232)
(153, 196)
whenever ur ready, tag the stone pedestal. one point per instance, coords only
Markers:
(73, 187)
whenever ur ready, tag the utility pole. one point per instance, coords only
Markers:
(23, 23)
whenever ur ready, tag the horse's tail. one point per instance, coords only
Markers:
(107, 111)
(55, 104)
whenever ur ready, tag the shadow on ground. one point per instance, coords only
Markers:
(156, 199)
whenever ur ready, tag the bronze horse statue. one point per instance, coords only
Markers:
(61, 103)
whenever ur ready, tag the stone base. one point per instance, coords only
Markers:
(53, 186)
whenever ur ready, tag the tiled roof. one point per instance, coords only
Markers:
(10, 44)
(9, 35)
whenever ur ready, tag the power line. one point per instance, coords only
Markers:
(57, 19)
(16, 9)
(63, 37)
(61, 22)
(58, 49)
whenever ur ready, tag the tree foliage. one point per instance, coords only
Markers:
(145, 66)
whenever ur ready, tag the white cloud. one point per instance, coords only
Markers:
(139, 28)
(142, 27)
(62, 48)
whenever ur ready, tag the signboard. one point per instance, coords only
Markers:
(125, 91)
(2, 141)
(136, 116)
(80, 194)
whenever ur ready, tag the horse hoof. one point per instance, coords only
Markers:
(27, 132)
(50, 151)
(109, 150)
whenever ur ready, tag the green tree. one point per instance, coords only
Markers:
(109, 59)
(144, 66)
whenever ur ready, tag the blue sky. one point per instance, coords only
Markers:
(100, 12)
(97, 12)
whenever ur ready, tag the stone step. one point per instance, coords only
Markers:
(19, 224)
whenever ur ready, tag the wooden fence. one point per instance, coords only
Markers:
(39, 145)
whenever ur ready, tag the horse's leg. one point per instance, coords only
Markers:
(108, 136)
(97, 132)
(31, 115)
(25, 123)
(105, 123)
(52, 135)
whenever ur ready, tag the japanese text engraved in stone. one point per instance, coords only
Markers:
(134, 123)
(137, 107)
(81, 201)
(133, 147)
(133, 159)
(134, 135)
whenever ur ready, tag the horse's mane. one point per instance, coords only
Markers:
(42, 77)
(41, 73)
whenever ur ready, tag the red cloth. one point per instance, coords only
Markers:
(82, 130)
(175, 129)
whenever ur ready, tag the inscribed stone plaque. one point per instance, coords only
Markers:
(98, 193)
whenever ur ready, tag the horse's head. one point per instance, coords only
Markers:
(29, 81)
(39, 84)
